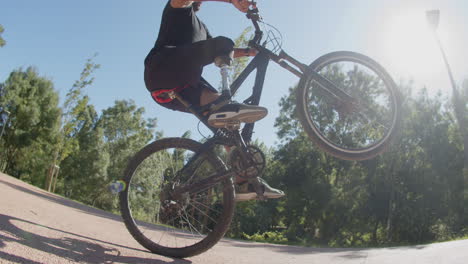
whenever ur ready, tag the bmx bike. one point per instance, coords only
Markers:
(179, 197)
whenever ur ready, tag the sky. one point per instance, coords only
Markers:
(57, 37)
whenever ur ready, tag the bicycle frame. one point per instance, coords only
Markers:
(259, 63)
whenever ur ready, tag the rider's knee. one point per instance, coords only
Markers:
(224, 43)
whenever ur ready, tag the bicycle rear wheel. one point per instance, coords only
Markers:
(177, 226)
(356, 131)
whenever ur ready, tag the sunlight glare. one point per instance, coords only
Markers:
(410, 44)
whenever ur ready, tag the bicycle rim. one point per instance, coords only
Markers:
(354, 134)
(180, 226)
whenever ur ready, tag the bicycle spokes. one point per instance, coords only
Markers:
(357, 116)
(169, 217)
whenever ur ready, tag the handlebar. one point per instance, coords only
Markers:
(254, 16)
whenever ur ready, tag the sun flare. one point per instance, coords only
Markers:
(410, 44)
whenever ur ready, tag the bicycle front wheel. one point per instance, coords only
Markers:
(354, 131)
(179, 225)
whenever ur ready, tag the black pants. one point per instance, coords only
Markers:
(181, 66)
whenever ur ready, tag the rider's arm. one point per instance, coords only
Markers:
(242, 5)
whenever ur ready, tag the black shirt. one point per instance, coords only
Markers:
(180, 26)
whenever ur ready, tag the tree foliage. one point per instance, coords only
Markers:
(75, 105)
(104, 145)
(32, 125)
(92, 148)
(84, 172)
(240, 62)
(2, 41)
(413, 193)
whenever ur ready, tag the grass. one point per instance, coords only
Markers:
(278, 238)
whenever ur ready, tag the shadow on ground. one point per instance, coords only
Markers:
(63, 201)
(72, 247)
(78, 248)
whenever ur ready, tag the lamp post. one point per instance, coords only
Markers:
(433, 17)
(6, 122)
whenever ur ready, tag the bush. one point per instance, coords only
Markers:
(442, 231)
(269, 237)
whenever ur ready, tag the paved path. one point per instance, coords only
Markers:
(39, 227)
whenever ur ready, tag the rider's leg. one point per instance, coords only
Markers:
(236, 113)
(245, 191)
(178, 66)
(231, 112)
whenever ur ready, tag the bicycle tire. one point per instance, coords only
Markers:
(318, 135)
(134, 226)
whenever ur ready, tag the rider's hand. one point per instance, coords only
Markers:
(242, 5)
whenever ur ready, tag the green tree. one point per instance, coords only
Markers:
(125, 132)
(104, 145)
(426, 168)
(33, 124)
(460, 109)
(410, 194)
(74, 106)
(240, 63)
(85, 170)
(2, 41)
(464, 99)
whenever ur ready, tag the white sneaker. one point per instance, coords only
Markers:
(246, 191)
(235, 112)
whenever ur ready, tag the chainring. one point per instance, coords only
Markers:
(249, 167)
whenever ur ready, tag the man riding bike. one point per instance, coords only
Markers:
(175, 63)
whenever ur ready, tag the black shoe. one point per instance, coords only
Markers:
(246, 191)
(236, 113)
